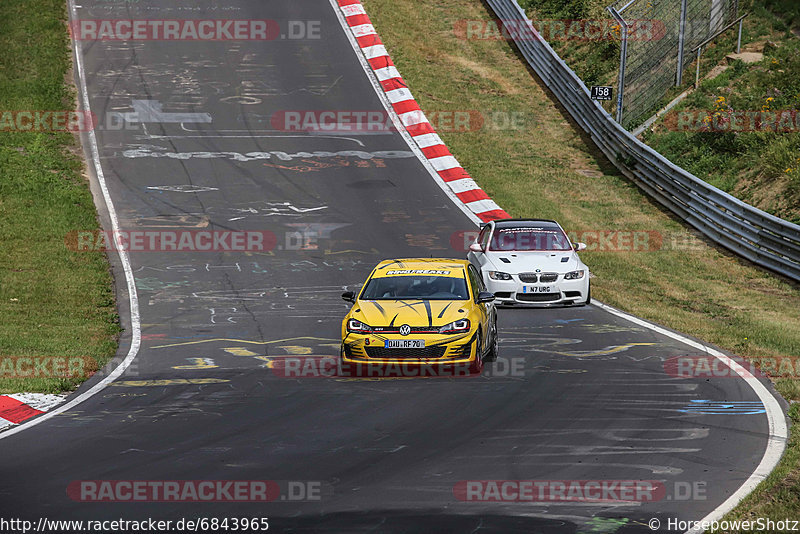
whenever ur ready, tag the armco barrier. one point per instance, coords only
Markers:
(762, 238)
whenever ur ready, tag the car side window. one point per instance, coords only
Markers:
(483, 237)
(475, 281)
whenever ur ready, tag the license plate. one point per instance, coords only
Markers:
(404, 344)
(536, 289)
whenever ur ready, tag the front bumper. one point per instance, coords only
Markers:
(562, 292)
(439, 349)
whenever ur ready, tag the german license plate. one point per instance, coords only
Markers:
(536, 289)
(404, 344)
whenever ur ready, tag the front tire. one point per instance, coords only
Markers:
(476, 367)
(493, 349)
(588, 297)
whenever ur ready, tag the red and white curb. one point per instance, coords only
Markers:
(413, 118)
(19, 407)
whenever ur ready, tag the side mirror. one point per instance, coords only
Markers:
(475, 247)
(485, 296)
(579, 246)
(349, 296)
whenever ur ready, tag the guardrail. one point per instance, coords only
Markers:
(764, 239)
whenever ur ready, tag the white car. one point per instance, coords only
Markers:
(530, 262)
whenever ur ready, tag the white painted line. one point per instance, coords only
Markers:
(428, 140)
(372, 76)
(778, 430)
(136, 327)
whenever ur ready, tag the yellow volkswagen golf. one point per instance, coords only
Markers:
(420, 315)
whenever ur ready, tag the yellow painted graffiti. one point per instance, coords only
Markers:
(240, 351)
(198, 363)
(168, 382)
(613, 349)
(246, 341)
(296, 349)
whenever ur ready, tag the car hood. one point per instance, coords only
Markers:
(524, 262)
(411, 312)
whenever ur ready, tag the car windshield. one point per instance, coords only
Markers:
(528, 239)
(416, 288)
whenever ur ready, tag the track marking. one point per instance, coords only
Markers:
(124, 259)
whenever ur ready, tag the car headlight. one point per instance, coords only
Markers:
(462, 325)
(574, 275)
(357, 327)
(497, 275)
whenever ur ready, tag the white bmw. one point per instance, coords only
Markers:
(530, 262)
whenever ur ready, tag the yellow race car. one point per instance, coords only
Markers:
(416, 317)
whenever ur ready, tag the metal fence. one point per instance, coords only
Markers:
(753, 234)
(657, 35)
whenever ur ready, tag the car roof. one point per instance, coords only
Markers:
(417, 266)
(526, 223)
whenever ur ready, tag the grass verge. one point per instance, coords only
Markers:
(56, 305)
(545, 169)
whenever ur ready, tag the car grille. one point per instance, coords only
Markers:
(538, 297)
(548, 278)
(353, 353)
(380, 353)
(529, 278)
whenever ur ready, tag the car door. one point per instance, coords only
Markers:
(479, 259)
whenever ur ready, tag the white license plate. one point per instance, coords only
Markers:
(536, 289)
(404, 344)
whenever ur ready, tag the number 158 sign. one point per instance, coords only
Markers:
(601, 92)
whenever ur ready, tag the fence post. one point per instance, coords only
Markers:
(681, 40)
(623, 59)
(697, 75)
(739, 40)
